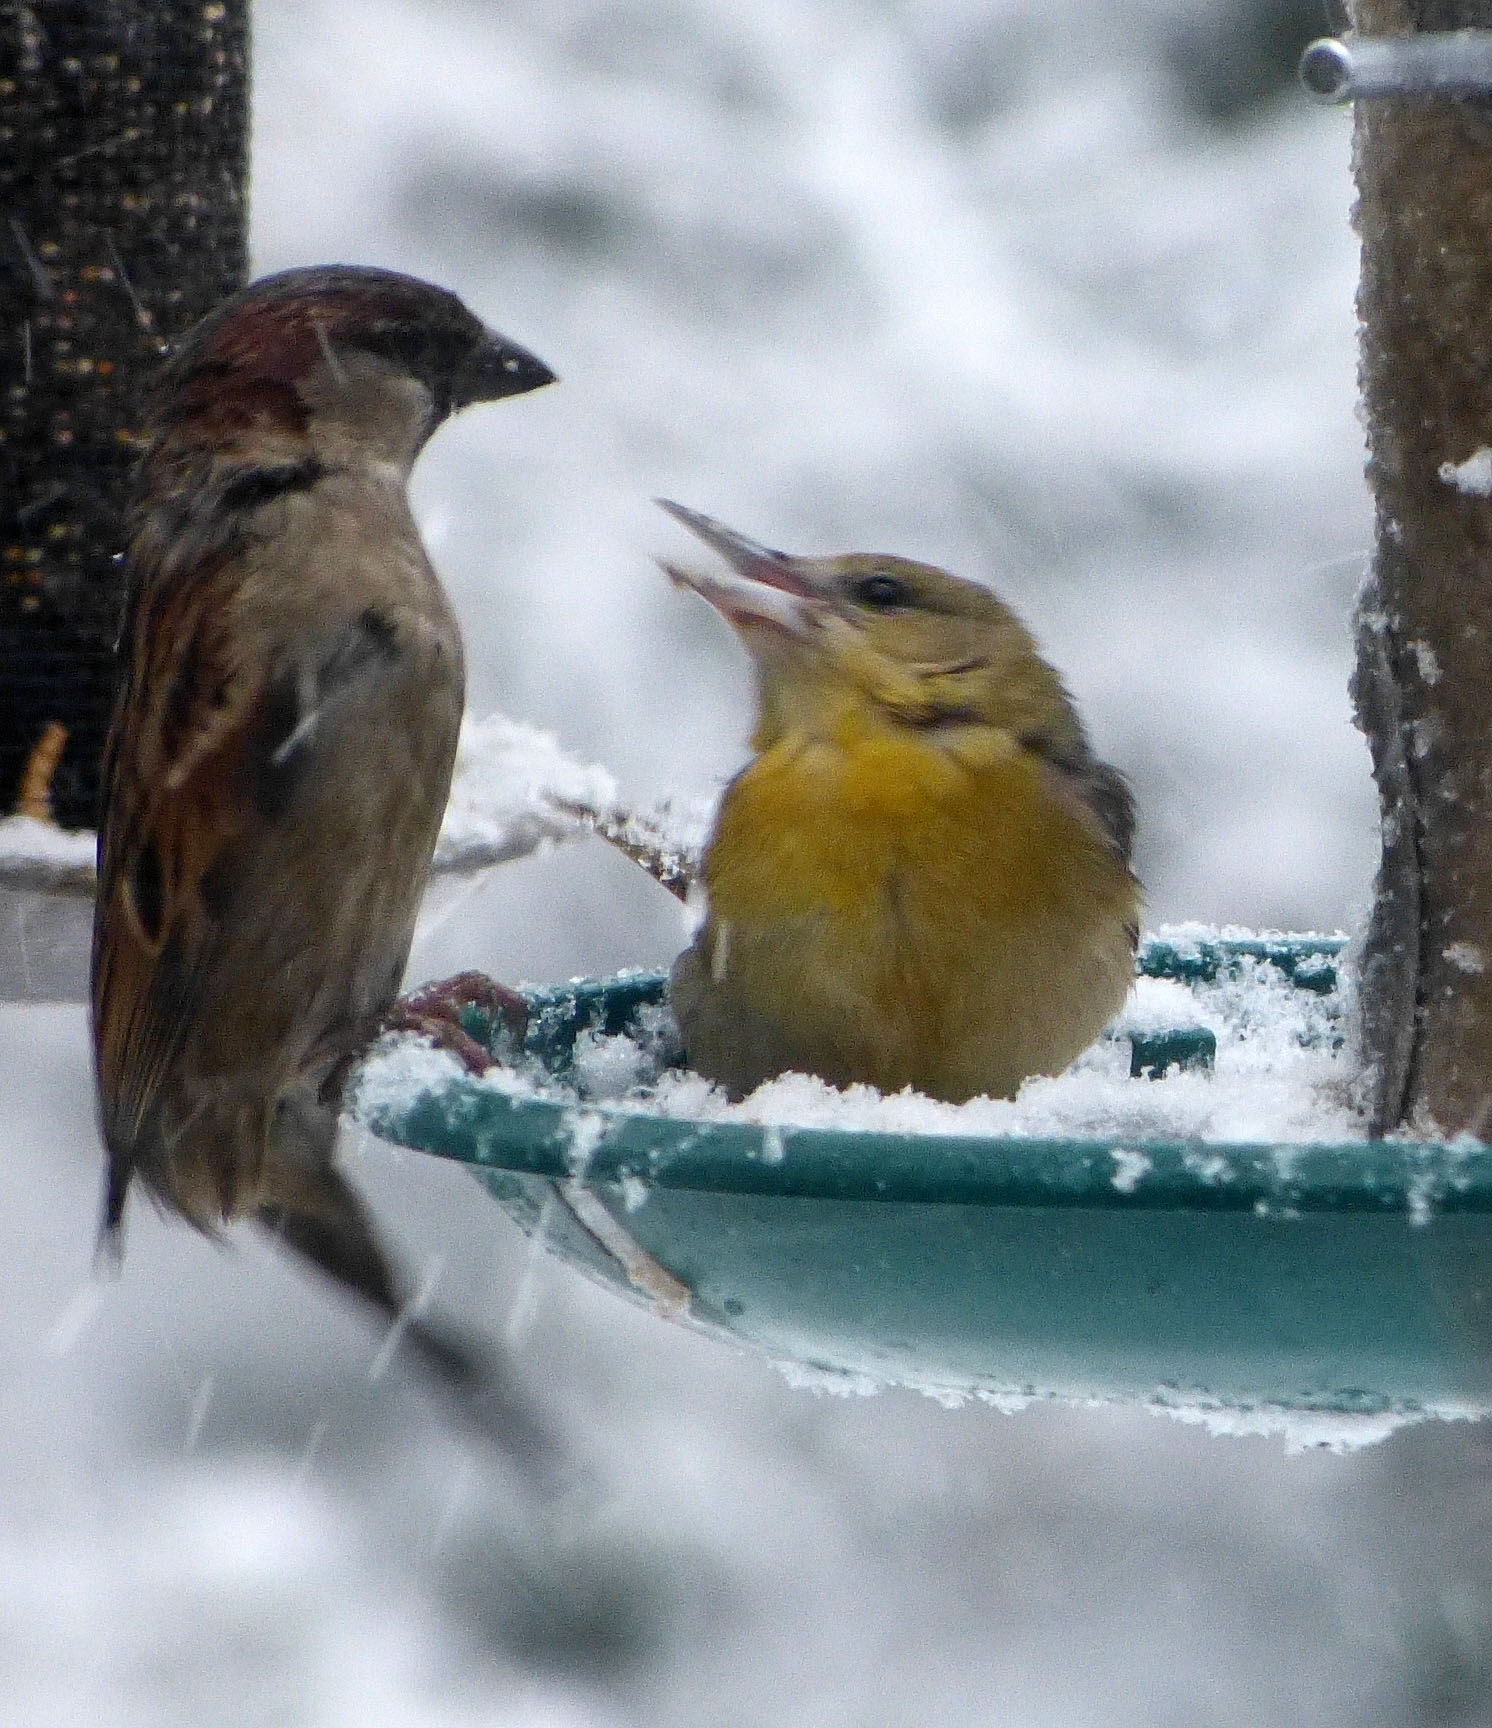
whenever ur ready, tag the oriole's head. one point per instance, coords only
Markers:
(880, 639)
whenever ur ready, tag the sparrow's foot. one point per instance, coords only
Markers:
(437, 1011)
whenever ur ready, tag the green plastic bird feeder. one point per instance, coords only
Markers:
(1351, 1277)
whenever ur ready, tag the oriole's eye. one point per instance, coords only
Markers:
(881, 591)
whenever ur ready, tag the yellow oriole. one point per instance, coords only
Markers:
(921, 878)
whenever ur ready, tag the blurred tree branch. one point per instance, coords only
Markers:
(1424, 175)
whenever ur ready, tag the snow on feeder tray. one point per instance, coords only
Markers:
(1185, 1218)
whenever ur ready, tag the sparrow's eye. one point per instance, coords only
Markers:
(882, 592)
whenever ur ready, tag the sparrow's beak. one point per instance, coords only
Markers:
(761, 587)
(497, 368)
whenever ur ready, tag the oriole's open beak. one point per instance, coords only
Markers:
(761, 587)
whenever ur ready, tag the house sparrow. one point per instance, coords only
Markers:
(922, 876)
(281, 751)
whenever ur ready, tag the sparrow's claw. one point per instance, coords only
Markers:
(472, 990)
(435, 1011)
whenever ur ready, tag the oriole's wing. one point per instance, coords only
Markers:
(1097, 793)
(1107, 794)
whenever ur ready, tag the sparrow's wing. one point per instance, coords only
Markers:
(216, 726)
(189, 719)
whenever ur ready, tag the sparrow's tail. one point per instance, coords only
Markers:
(329, 1226)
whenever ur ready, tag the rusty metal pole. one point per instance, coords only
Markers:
(123, 170)
(1423, 685)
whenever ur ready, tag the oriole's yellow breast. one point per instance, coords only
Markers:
(913, 915)
(816, 826)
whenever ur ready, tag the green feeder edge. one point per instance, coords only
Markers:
(1348, 1278)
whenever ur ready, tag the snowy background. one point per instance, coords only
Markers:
(1054, 292)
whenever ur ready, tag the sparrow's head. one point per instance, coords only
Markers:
(880, 640)
(333, 354)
